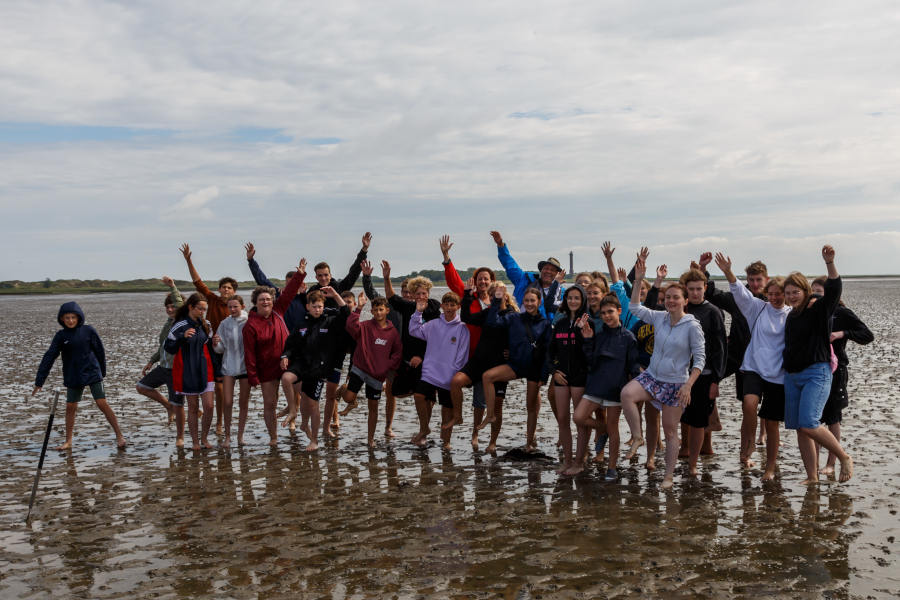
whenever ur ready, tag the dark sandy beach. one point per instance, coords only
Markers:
(346, 522)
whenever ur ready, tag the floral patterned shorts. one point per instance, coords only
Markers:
(660, 391)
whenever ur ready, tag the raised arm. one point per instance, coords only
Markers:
(367, 269)
(258, 276)
(610, 264)
(513, 271)
(291, 289)
(386, 274)
(833, 283)
(745, 302)
(641, 312)
(195, 276)
(451, 276)
(417, 321)
(349, 280)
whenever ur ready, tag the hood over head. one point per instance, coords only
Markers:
(70, 307)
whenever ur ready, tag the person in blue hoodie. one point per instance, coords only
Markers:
(529, 336)
(544, 279)
(84, 365)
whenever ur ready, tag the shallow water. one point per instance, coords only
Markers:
(347, 522)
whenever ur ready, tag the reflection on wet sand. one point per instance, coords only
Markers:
(347, 521)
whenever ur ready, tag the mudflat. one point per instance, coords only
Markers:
(347, 522)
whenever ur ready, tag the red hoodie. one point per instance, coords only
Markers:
(456, 285)
(264, 338)
(378, 351)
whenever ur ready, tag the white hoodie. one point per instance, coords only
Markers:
(764, 353)
(231, 346)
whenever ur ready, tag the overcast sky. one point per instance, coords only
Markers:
(763, 129)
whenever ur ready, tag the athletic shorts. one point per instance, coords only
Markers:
(358, 377)
(838, 399)
(430, 391)
(405, 379)
(334, 376)
(478, 400)
(739, 385)
(602, 401)
(696, 414)
(537, 373)
(578, 380)
(772, 395)
(158, 377)
(312, 387)
(73, 394)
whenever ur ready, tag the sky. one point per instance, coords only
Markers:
(761, 129)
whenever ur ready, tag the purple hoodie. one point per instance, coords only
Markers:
(447, 350)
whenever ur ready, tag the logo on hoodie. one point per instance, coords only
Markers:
(380, 342)
(453, 340)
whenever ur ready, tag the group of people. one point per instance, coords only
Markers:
(604, 346)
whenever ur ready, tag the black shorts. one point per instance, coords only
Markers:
(696, 414)
(355, 383)
(576, 380)
(838, 399)
(739, 385)
(772, 395)
(538, 373)
(312, 387)
(216, 359)
(406, 379)
(158, 377)
(475, 368)
(430, 390)
(478, 400)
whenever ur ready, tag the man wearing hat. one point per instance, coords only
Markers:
(544, 278)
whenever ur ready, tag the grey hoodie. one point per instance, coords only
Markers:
(674, 347)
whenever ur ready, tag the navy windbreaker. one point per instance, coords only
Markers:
(84, 360)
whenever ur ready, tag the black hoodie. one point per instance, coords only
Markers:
(566, 342)
(84, 360)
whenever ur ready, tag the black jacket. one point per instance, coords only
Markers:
(311, 345)
(807, 333)
(84, 360)
(739, 335)
(713, 324)
(854, 331)
(565, 352)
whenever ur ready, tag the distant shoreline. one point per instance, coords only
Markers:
(100, 286)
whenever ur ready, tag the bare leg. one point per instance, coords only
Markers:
(459, 381)
(192, 402)
(220, 399)
(208, 399)
(748, 429)
(632, 394)
(390, 407)
(652, 417)
(695, 443)
(227, 406)
(500, 373)
(684, 449)
(808, 453)
(243, 408)
(585, 423)
(612, 429)
(823, 436)
(671, 417)
(447, 416)
(71, 409)
(311, 408)
(551, 400)
(422, 410)
(533, 405)
(107, 411)
(288, 380)
(563, 420)
(373, 421)
(155, 395)
(835, 429)
(762, 432)
(270, 401)
(773, 441)
(179, 425)
(495, 426)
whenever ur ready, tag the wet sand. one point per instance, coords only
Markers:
(346, 522)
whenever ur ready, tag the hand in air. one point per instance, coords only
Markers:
(366, 240)
(366, 268)
(251, 251)
(185, 251)
(607, 250)
(498, 239)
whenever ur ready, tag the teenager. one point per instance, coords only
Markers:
(478, 300)
(446, 351)
(83, 365)
(695, 419)
(568, 366)
(378, 352)
(229, 342)
(264, 336)
(528, 337)
(542, 280)
(845, 326)
(493, 346)
(612, 360)
(217, 310)
(305, 359)
(192, 371)
(677, 361)
(762, 371)
(807, 366)
(161, 375)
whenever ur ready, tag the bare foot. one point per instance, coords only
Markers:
(283, 413)
(371, 443)
(694, 471)
(491, 449)
(562, 468)
(761, 440)
(389, 433)
(288, 421)
(846, 470)
(487, 421)
(273, 442)
(350, 406)
(304, 427)
(632, 451)
(219, 429)
(475, 442)
(599, 458)
(827, 470)
(683, 452)
(196, 447)
(559, 444)
(171, 420)
(179, 443)
(207, 445)
(449, 424)
(446, 445)
(769, 475)
(810, 481)
(531, 447)
(121, 443)
(240, 440)
(650, 465)
(707, 452)
(747, 463)
(292, 425)
(226, 443)
(667, 483)
(329, 433)
(312, 447)
(415, 439)
(422, 441)
(65, 446)
(574, 470)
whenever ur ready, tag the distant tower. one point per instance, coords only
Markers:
(571, 262)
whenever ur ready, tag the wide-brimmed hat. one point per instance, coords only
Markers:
(550, 261)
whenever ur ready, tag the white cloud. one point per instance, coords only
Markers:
(194, 205)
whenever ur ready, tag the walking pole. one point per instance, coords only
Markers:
(37, 476)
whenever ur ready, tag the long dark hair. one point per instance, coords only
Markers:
(182, 313)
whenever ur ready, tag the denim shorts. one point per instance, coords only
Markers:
(805, 394)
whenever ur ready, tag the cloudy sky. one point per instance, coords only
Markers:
(760, 128)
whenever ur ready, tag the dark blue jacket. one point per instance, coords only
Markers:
(311, 346)
(527, 350)
(84, 360)
(192, 367)
(612, 360)
(296, 310)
